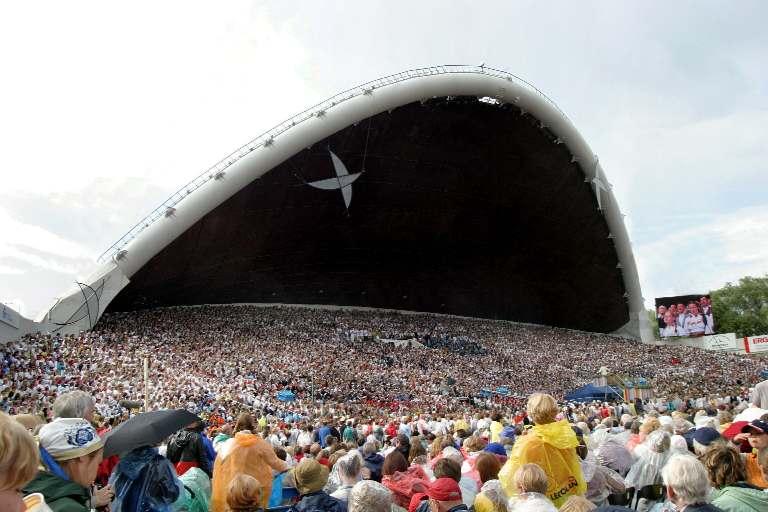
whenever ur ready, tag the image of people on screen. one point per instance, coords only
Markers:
(670, 325)
(685, 317)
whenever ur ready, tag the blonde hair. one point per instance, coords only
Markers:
(335, 456)
(724, 466)
(474, 444)
(245, 493)
(531, 478)
(577, 504)
(650, 425)
(542, 408)
(18, 454)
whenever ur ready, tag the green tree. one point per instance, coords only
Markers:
(653, 322)
(743, 307)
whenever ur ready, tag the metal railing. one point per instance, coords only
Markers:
(266, 138)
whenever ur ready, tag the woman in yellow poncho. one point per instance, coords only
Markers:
(245, 453)
(496, 427)
(551, 445)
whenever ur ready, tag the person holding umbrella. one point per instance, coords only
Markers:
(144, 479)
(187, 449)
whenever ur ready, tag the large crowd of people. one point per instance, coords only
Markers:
(227, 357)
(311, 409)
(577, 458)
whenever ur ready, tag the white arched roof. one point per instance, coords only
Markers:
(81, 306)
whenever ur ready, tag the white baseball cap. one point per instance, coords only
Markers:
(68, 438)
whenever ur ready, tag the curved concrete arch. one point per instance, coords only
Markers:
(79, 309)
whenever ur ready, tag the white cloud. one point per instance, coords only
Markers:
(93, 216)
(158, 90)
(705, 255)
(6, 269)
(18, 238)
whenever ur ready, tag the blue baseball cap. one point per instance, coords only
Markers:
(756, 427)
(496, 449)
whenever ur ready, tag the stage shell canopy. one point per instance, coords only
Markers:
(458, 190)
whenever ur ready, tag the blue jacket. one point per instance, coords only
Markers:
(322, 433)
(144, 480)
(209, 450)
(319, 502)
(373, 462)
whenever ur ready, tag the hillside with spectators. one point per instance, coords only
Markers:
(233, 357)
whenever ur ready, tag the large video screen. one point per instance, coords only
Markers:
(685, 315)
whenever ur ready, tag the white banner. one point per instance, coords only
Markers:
(756, 343)
(404, 343)
(9, 316)
(725, 341)
(719, 342)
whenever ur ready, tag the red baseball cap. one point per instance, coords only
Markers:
(444, 489)
(733, 429)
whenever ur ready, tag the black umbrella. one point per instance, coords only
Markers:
(146, 429)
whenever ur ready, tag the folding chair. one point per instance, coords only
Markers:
(654, 492)
(623, 499)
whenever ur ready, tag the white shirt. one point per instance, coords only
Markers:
(694, 324)
(669, 330)
(304, 439)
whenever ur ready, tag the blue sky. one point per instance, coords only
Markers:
(108, 108)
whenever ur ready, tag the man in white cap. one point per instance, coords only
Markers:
(71, 452)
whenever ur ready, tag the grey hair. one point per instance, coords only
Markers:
(688, 478)
(659, 441)
(681, 426)
(72, 405)
(369, 448)
(350, 464)
(369, 496)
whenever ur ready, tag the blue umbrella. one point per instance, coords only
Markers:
(286, 395)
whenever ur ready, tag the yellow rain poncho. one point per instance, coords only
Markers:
(496, 428)
(553, 448)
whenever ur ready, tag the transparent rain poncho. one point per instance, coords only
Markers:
(196, 495)
(334, 478)
(647, 469)
(495, 494)
(610, 452)
(530, 502)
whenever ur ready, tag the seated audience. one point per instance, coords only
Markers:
(369, 496)
(687, 484)
(728, 475)
(245, 494)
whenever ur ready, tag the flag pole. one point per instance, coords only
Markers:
(146, 384)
